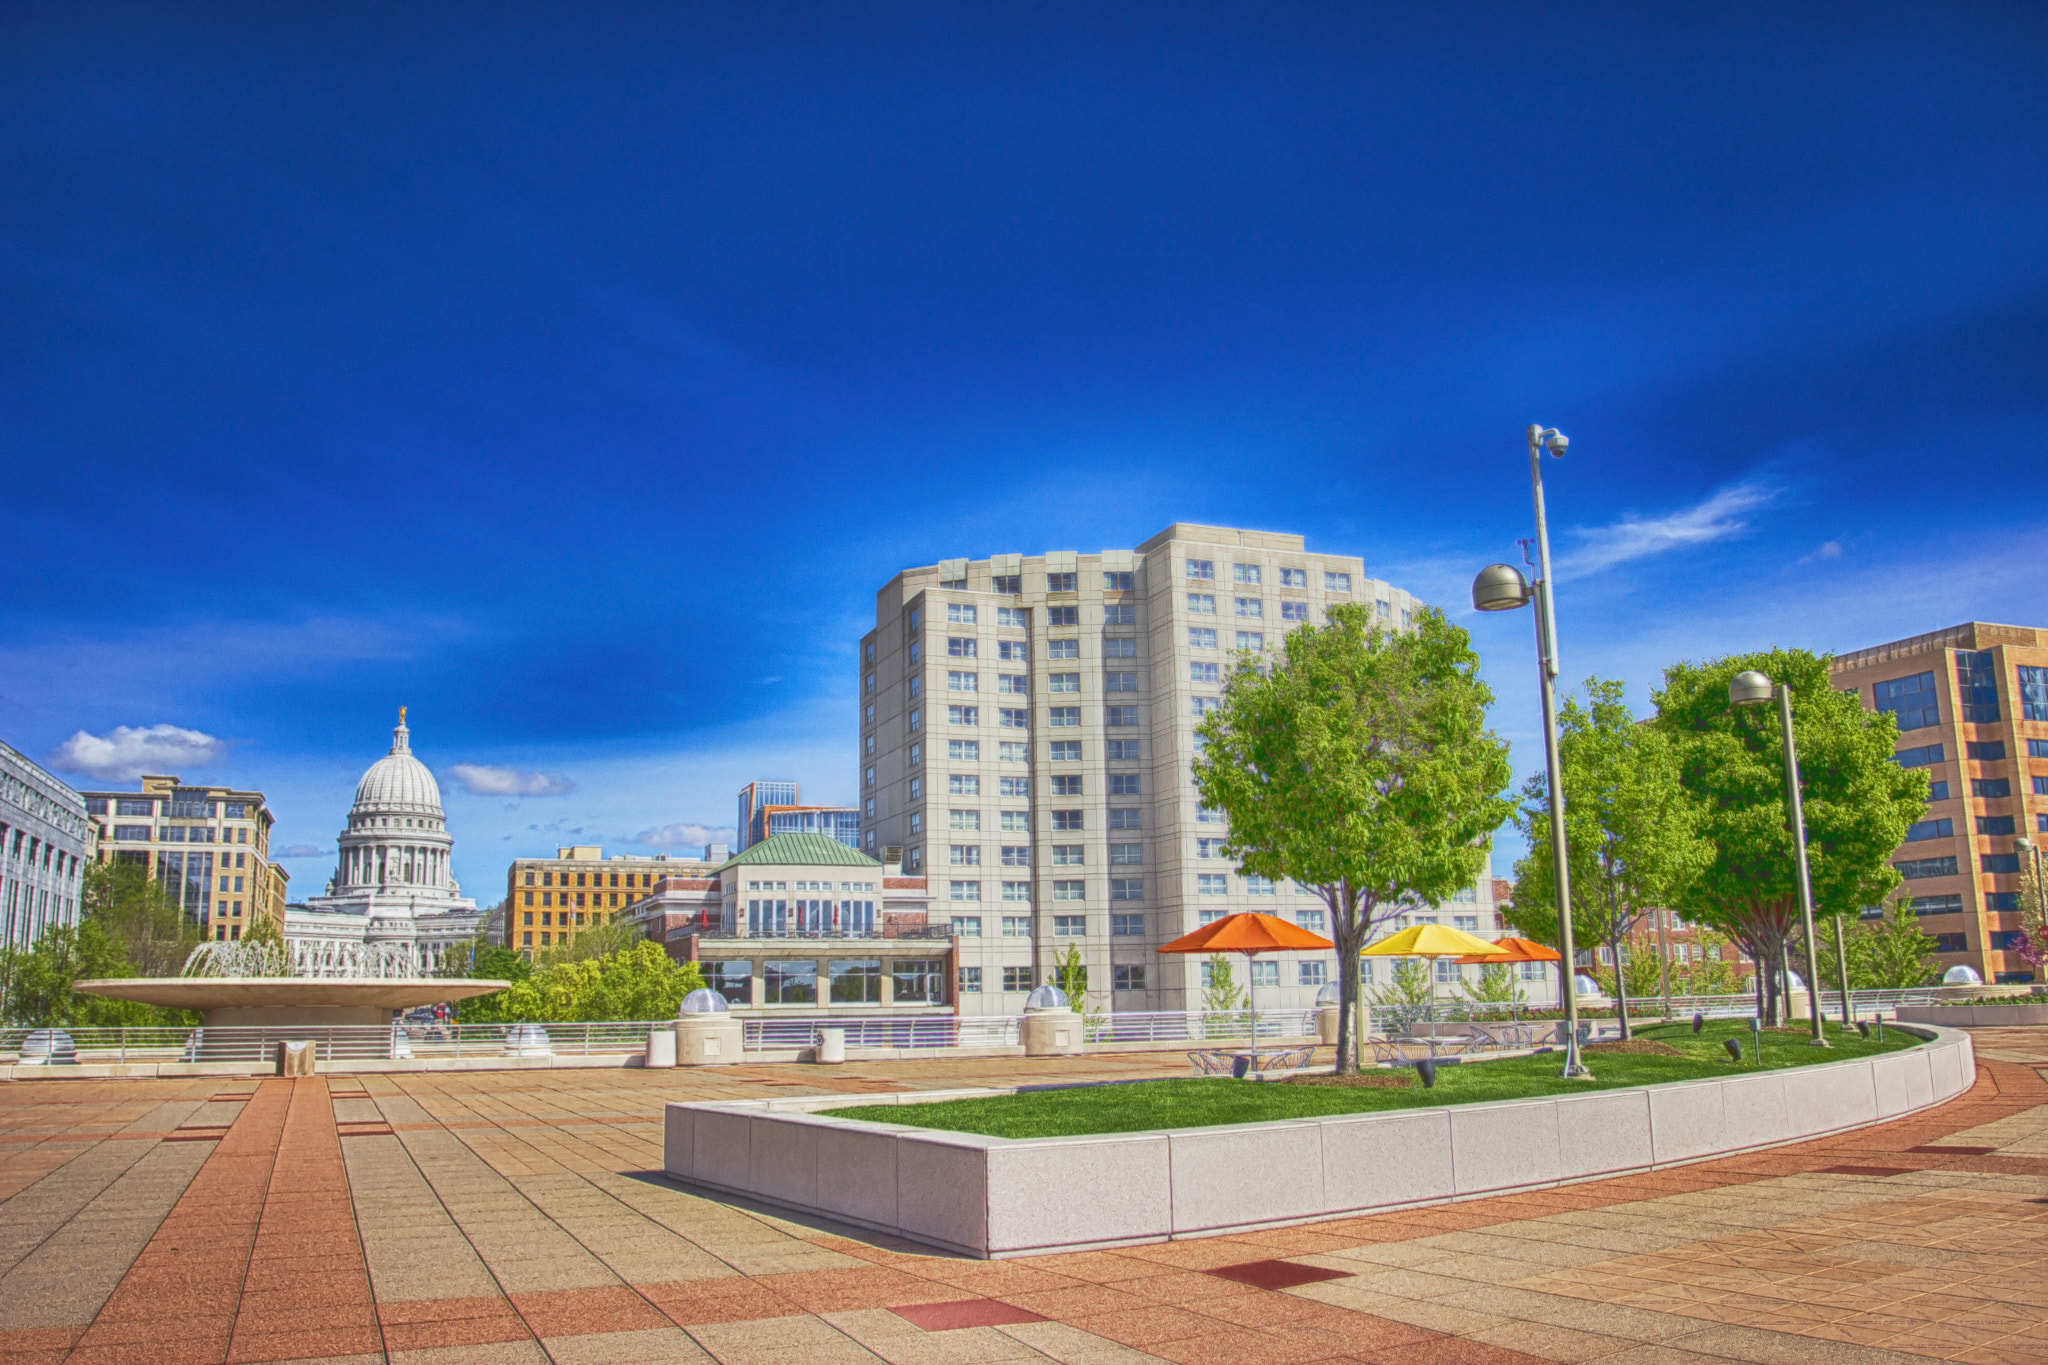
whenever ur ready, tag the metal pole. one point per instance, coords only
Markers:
(1664, 957)
(1799, 856)
(1842, 975)
(1547, 666)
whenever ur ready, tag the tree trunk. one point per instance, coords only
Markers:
(1347, 931)
(1620, 988)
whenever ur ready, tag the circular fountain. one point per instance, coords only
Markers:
(254, 984)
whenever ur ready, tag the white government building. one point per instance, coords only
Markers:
(393, 906)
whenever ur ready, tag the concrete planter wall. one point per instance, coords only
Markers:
(1973, 1016)
(999, 1197)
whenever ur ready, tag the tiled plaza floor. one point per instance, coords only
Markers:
(469, 1219)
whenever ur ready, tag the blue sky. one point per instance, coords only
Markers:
(574, 375)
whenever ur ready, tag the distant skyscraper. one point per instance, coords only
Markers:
(209, 846)
(45, 842)
(770, 808)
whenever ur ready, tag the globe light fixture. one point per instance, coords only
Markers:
(1502, 587)
(1751, 688)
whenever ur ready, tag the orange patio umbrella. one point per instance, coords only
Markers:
(1521, 950)
(1249, 933)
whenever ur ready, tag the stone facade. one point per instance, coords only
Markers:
(45, 843)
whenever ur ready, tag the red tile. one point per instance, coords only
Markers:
(948, 1317)
(1277, 1274)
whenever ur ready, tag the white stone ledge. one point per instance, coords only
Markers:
(1001, 1197)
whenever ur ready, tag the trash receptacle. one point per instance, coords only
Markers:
(831, 1045)
(296, 1058)
(661, 1047)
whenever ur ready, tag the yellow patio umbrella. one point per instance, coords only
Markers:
(1433, 941)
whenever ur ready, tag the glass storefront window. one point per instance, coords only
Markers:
(733, 980)
(917, 982)
(790, 983)
(856, 981)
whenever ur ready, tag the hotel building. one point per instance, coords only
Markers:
(46, 840)
(548, 900)
(209, 846)
(1027, 730)
(1972, 707)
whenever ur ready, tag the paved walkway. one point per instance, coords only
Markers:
(484, 1217)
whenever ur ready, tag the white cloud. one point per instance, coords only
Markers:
(305, 851)
(1831, 549)
(128, 751)
(686, 835)
(483, 780)
(1720, 517)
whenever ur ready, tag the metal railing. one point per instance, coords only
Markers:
(913, 1032)
(1192, 1026)
(876, 934)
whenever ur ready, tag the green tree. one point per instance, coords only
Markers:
(1496, 986)
(1360, 766)
(1706, 973)
(599, 940)
(1857, 801)
(1889, 953)
(1410, 982)
(1070, 974)
(481, 960)
(1638, 978)
(1220, 993)
(641, 982)
(1630, 830)
(135, 910)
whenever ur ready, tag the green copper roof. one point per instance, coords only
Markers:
(802, 850)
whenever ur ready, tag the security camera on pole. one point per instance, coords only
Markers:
(1501, 587)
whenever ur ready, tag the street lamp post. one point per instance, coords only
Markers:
(1501, 587)
(1751, 688)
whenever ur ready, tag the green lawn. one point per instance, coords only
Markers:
(1142, 1106)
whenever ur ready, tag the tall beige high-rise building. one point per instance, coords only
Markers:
(1027, 736)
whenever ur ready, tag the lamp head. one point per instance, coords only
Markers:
(1500, 587)
(2023, 844)
(1750, 688)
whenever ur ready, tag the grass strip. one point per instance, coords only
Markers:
(1146, 1106)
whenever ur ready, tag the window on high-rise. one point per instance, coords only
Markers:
(1294, 578)
(1121, 750)
(1013, 651)
(1991, 751)
(1116, 580)
(1991, 786)
(1016, 821)
(1013, 786)
(1937, 791)
(1249, 606)
(1199, 672)
(1122, 855)
(963, 749)
(963, 682)
(963, 784)
(1011, 583)
(1977, 685)
(1009, 752)
(1921, 757)
(1070, 891)
(1202, 603)
(1294, 611)
(1201, 568)
(1062, 649)
(1062, 616)
(1119, 614)
(1930, 829)
(1341, 582)
(1244, 573)
(963, 715)
(1126, 818)
(960, 647)
(1915, 869)
(960, 613)
(1119, 682)
(1066, 819)
(1013, 684)
(1201, 637)
(1067, 786)
(1060, 717)
(970, 980)
(1124, 784)
(1069, 855)
(1119, 647)
(1995, 824)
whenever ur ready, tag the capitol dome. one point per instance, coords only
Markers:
(398, 783)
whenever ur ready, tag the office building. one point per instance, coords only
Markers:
(548, 901)
(393, 906)
(1026, 735)
(770, 808)
(209, 846)
(800, 923)
(1972, 707)
(46, 839)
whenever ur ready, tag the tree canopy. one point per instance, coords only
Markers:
(1631, 833)
(1359, 765)
(128, 926)
(1731, 759)
(640, 982)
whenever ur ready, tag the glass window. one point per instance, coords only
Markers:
(1937, 791)
(1063, 682)
(1069, 926)
(1921, 757)
(1017, 979)
(1121, 716)
(961, 612)
(1202, 604)
(133, 807)
(1119, 682)
(1011, 583)
(1202, 673)
(1127, 889)
(1341, 582)
(1244, 573)
(1126, 818)
(1202, 706)
(1013, 786)
(1067, 855)
(1067, 786)
(1016, 855)
(1119, 647)
(1116, 580)
(733, 980)
(1312, 973)
(1294, 578)
(1255, 885)
(1200, 637)
(1991, 751)
(1013, 718)
(1016, 820)
(918, 981)
(1127, 978)
(2000, 862)
(1017, 891)
(966, 926)
(1911, 699)
(1126, 854)
(1063, 717)
(1119, 615)
(1062, 649)
(1951, 943)
(1995, 824)
(2037, 748)
(1976, 686)
(1312, 920)
(1066, 819)
(1070, 891)
(1294, 611)
(963, 784)
(1060, 582)
(1063, 616)
(1991, 786)
(967, 750)
(1121, 750)
(1250, 606)
(963, 715)
(1935, 905)
(1915, 869)
(1127, 926)
(856, 981)
(1201, 568)
(1265, 974)
(790, 983)
(1013, 651)
(962, 682)
(1210, 884)
(1930, 829)
(1012, 752)
(1251, 639)
(970, 981)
